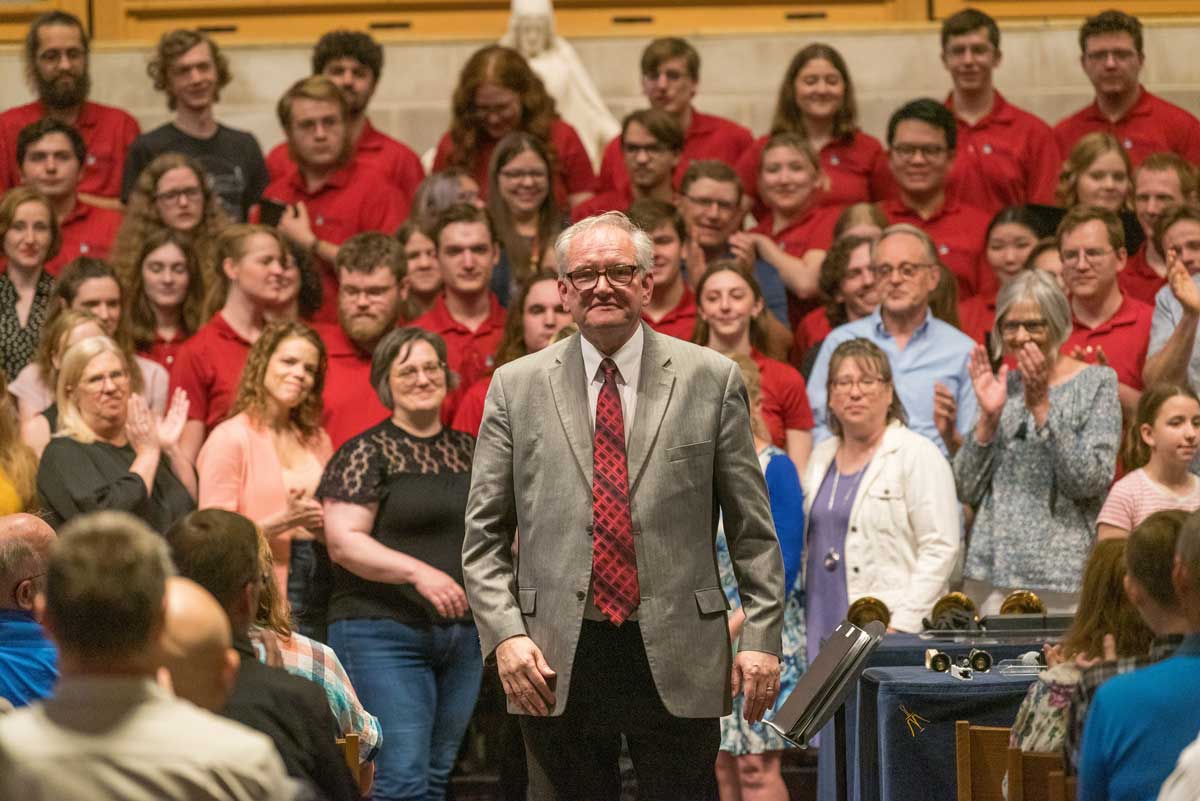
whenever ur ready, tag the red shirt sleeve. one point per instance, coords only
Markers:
(797, 414)
(191, 374)
(573, 163)
(1043, 167)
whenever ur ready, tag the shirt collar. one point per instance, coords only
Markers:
(339, 179)
(882, 332)
(1190, 646)
(1140, 107)
(628, 358)
(1164, 646)
(1001, 113)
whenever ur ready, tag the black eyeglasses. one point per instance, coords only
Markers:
(587, 277)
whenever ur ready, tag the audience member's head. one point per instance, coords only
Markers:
(174, 191)
(497, 93)
(197, 646)
(466, 249)
(711, 202)
(1166, 424)
(313, 113)
(403, 360)
(420, 266)
(1149, 559)
(816, 88)
(861, 390)
(1177, 236)
(847, 283)
(94, 386)
(789, 175)
(730, 311)
(372, 286)
(283, 379)
(542, 317)
(190, 69)
(219, 551)
(1104, 608)
(165, 284)
(56, 60)
(1111, 52)
(860, 219)
(59, 334)
(921, 137)
(1045, 257)
(904, 260)
(670, 74)
(667, 231)
(29, 228)
(970, 49)
(1160, 183)
(651, 143)
(1010, 237)
(1091, 242)
(51, 155)
(25, 543)
(1031, 308)
(353, 60)
(519, 194)
(1096, 173)
(252, 270)
(441, 190)
(104, 599)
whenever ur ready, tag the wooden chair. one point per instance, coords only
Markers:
(1062, 787)
(1029, 774)
(981, 757)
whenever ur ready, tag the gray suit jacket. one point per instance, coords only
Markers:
(691, 457)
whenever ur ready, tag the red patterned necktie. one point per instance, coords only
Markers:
(614, 564)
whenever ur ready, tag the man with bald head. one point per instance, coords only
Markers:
(197, 645)
(28, 660)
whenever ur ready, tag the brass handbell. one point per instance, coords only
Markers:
(867, 609)
(1022, 602)
(952, 602)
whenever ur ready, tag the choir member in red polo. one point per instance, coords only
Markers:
(921, 141)
(257, 286)
(51, 155)
(1011, 236)
(497, 94)
(330, 195)
(353, 60)
(651, 144)
(672, 306)
(670, 78)
(371, 290)
(1108, 326)
(1005, 155)
(816, 100)
(467, 315)
(1112, 59)
(56, 65)
(1162, 182)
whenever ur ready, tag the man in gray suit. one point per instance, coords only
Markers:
(612, 454)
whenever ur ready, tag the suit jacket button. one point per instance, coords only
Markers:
(581, 595)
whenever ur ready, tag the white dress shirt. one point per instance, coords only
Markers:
(628, 359)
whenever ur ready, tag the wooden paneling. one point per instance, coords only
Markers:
(15, 17)
(1071, 9)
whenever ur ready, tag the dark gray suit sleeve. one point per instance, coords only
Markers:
(749, 528)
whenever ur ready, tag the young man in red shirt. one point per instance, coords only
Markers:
(372, 286)
(51, 155)
(56, 66)
(1005, 155)
(670, 78)
(1107, 326)
(672, 306)
(651, 144)
(329, 196)
(354, 62)
(467, 314)
(1112, 59)
(921, 142)
(1162, 182)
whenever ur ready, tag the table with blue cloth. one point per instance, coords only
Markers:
(906, 719)
(902, 650)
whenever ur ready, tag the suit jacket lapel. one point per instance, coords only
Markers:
(654, 391)
(569, 385)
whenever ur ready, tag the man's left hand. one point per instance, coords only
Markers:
(756, 676)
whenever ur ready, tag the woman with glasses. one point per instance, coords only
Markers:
(1042, 454)
(878, 503)
(266, 460)
(395, 502)
(112, 451)
(497, 94)
(526, 218)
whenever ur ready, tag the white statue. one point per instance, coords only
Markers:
(531, 33)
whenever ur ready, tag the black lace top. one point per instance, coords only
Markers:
(17, 344)
(421, 485)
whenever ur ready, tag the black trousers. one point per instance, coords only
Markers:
(573, 757)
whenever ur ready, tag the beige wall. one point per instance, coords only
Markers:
(740, 75)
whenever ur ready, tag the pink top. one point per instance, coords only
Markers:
(1137, 496)
(239, 470)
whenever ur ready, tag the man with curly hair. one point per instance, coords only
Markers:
(190, 69)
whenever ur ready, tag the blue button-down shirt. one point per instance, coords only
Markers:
(935, 352)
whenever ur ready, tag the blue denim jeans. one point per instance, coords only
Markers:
(421, 682)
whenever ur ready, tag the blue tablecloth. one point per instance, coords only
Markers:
(897, 650)
(906, 721)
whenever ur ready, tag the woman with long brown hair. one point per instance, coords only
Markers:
(165, 295)
(497, 94)
(29, 237)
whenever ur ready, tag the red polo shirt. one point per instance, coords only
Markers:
(1138, 280)
(107, 132)
(208, 367)
(707, 137)
(87, 231)
(605, 201)
(811, 230)
(813, 328)
(1153, 125)
(976, 316)
(469, 414)
(857, 169)
(679, 322)
(1124, 337)
(957, 230)
(1008, 158)
(470, 354)
(575, 172)
(784, 398)
(354, 199)
(388, 158)
(350, 403)
(164, 351)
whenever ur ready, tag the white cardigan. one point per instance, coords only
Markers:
(905, 532)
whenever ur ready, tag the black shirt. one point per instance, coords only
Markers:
(421, 486)
(19, 344)
(232, 158)
(75, 478)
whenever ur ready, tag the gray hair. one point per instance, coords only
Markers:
(19, 560)
(642, 245)
(1040, 287)
(912, 230)
(398, 343)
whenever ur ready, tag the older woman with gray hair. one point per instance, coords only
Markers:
(1042, 453)
(395, 502)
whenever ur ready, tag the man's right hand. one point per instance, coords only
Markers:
(1182, 286)
(524, 673)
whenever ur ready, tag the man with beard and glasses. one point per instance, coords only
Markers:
(372, 286)
(354, 62)
(56, 65)
(190, 69)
